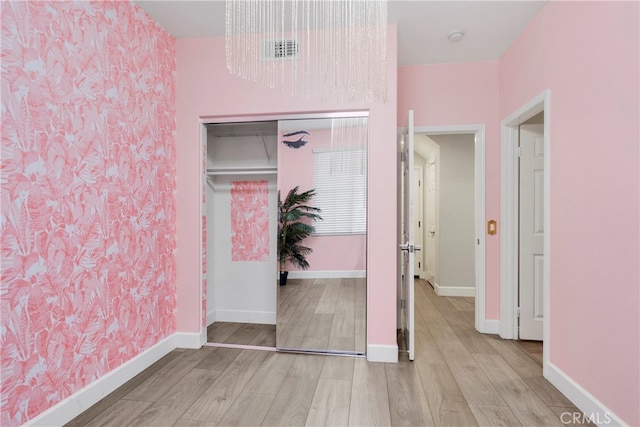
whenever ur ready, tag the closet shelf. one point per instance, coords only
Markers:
(243, 171)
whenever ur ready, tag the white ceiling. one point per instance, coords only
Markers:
(423, 26)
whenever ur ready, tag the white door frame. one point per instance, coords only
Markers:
(478, 131)
(509, 190)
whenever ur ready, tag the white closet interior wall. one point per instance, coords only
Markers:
(240, 290)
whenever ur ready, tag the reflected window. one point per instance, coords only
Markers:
(341, 194)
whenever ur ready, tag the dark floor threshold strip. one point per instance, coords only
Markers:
(286, 350)
(321, 352)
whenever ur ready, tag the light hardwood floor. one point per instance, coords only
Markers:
(459, 378)
(242, 334)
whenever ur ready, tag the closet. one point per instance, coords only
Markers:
(321, 309)
(241, 226)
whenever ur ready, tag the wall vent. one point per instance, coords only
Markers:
(280, 49)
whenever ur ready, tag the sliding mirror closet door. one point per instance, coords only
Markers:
(241, 225)
(322, 307)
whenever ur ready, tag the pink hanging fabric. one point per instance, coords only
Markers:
(249, 221)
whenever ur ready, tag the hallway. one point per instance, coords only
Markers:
(459, 378)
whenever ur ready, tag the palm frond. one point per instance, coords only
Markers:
(294, 225)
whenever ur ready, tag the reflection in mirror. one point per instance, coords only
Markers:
(323, 308)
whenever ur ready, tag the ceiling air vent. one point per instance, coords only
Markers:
(280, 49)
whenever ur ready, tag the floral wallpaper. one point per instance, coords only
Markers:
(87, 178)
(249, 221)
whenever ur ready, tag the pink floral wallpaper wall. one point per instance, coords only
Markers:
(249, 221)
(87, 224)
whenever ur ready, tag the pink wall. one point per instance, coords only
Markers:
(88, 207)
(587, 55)
(335, 253)
(462, 94)
(205, 89)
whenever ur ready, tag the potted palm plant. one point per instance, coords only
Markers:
(294, 225)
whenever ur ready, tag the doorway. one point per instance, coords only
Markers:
(475, 135)
(511, 293)
(530, 228)
(240, 201)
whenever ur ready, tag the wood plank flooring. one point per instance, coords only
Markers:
(459, 378)
(242, 334)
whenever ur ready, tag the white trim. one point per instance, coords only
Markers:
(480, 207)
(328, 274)
(382, 353)
(203, 337)
(509, 215)
(191, 340)
(69, 408)
(285, 116)
(211, 316)
(585, 401)
(419, 271)
(246, 316)
(455, 291)
(204, 306)
(490, 327)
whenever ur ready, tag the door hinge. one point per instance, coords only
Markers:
(517, 152)
(419, 266)
(517, 311)
(402, 304)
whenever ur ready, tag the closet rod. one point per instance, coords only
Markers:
(269, 171)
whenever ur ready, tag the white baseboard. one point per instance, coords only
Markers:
(382, 353)
(327, 274)
(489, 327)
(189, 340)
(211, 317)
(242, 316)
(455, 291)
(69, 408)
(594, 410)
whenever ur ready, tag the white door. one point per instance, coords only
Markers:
(531, 259)
(431, 218)
(407, 245)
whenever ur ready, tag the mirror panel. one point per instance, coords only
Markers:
(323, 308)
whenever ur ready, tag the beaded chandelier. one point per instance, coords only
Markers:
(300, 46)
